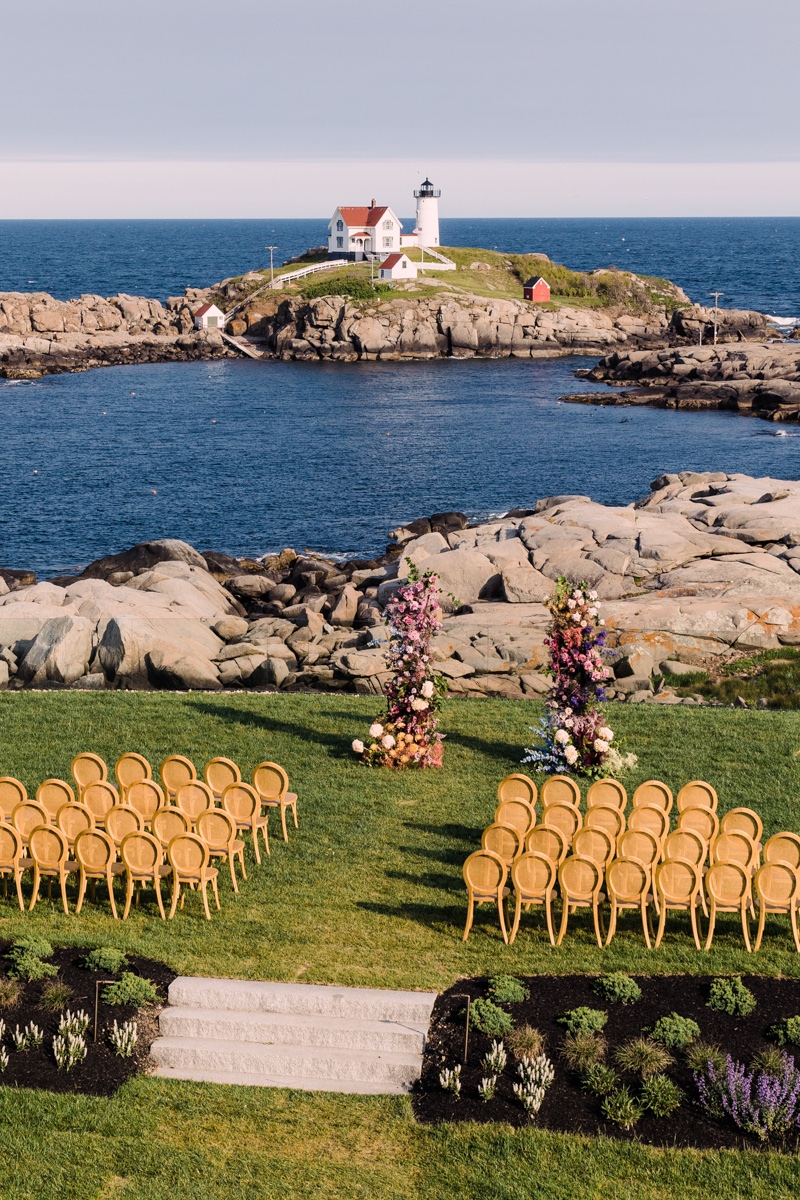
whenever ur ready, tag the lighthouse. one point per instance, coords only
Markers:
(427, 229)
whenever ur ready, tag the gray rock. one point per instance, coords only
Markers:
(4, 674)
(346, 607)
(465, 574)
(364, 663)
(252, 586)
(537, 685)
(524, 585)
(231, 629)
(454, 669)
(169, 667)
(59, 653)
(95, 682)
(679, 668)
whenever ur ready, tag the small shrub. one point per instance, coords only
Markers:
(675, 1031)
(768, 1062)
(30, 967)
(355, 287)
(55, 995)
(10, 991)
(450, 1080)
(700, 1054)
(131, 989)
(526, 1042)
(107, 959)
(599, 1079)
(761, 1103)
(618, 988)
(31, 943)
(487, 1087)
(486, 1016)
(123, 1038)
(622, 1108)
(661, 1096)
(643, 1057)
(729, 995)
(583, 1050)
(584, 1020)
(69, 1050)
(75, 1024)
(787, 1030)
(507, 989)
(494, 1062)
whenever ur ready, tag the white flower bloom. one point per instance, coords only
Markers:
(578, 594)
(387, 742)
(601, 621)
(600, 746)
(562, 737)
(427, 689)
(419, 705)
(576, 616)
(570, 604)
(375, 730)
(592, 595)
(606, 734)
(571, 755)
(358, 747)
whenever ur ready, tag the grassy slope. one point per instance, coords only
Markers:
(368, 891)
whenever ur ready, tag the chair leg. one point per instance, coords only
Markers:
(205, 899)
(37, 879)
(157, 885)
(470, 915)
(176, 890)
(265, 835)
(695, 931)
(128, 896)
(793, 919)
(294, 813)
(18, 882)
(564, 920)
(612, 923)
(283, 823)
(597, 915)
(241, 863)
(645, 924)
(254, 832)
(746, 927)
(548, 911)
(81, 893)
(5, 886)
(62, 878)
(501, 909)
(231, 857)
(517, 918)
(662, 920)
(111, 901)
(215, 890)
(762, 918)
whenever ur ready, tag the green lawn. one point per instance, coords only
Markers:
(368, 891)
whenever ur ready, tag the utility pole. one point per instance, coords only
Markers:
(271, 269)
(716, 296)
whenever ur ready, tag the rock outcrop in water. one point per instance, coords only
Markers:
(706, 567)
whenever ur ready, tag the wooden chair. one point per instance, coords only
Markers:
(53, 794)
(728, 887)
(602, 816)
(88, 768)
(12, 793)
(650, 818)
(194, 798)
(628, 883)
(220, 772)
(777, 886)
(504, 841)
(27, 816)
(653, 792)
(678, 887)
(736, 848)
(130, 768)
(143, 860)
(533, 877)
(99, 798)
(697, 794)
(188, 856)
(783, 847)
(560, 789)
(146, 796)
(640, 844)
(609, 793)
(96, 856)
(543, 839)
(243, 803)
(690, 846)
(516, 813)
(485, 875)
(517, 787)
(272, 784)
(49, 849)
(564, 817)
(168, 822)
(73, 819)
(580, 880)
(175, 771)
(743, 820)
(218, 830)
(12, 860)
(702, 820)
(595, 844)
(122, 820)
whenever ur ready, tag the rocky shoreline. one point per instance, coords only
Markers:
(704, 568)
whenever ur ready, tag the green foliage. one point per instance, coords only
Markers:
(699, 1054)
(618, 988)
(599, 1079)
(507, 989)
(30, 944)
(622, 1108)
(485, 1015)
(661, 1095)
(770, 1061)
(675, 1031)
(55, 994)
(106, 959)
(644, 1057)
(729, 995)
(787, 1030)
(584, 1020)
(526, 1042)
(354, 288)
(583, 1050)
(30, 967)
(131, 989)
(10, 991)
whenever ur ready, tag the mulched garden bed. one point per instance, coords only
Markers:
(102, 1071)
(567, 1107)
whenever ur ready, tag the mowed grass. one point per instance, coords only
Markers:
(368, 891)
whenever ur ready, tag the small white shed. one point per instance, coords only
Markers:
(208, 316)
(397, 266)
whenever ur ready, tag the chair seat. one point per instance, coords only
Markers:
(69, 866)
(586, 903)
(163, 871)
(481, 897)
(117, 868)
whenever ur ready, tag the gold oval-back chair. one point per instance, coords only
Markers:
(580, 880)
(73, 819)
(272, 784)
(53, 794)
(194, 798)
(743, 820)
(728, 887)
(485, 875)
(678, 887)
(609, 793)
(544, 839)
(602, 816)
(146, 796)
(651, 819)
(243, 803)
(12, 861)
(641, 845)
(533, 877)
(777, 886)
(12, 793)
(564, 817)
(87, 768)
(517, 813)
(27, 816)
(143, 859)
(702, 820)
(130, 768)
(219, 773)
(188, 856)
(504, 840)
(49, 849)
(653, 792)
(168, 822)
(628, 883)
(783, 847)
(734, 847)
(217, 828)
(595, 844)
(697, 794)
(99, 798)
(175, 771)
(517, 787)
(690, 846)
(122, 820)
(560, 789)
(96, 856)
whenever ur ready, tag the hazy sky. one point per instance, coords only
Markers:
(422, 85)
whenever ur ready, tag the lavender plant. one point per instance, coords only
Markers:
(763, 1103)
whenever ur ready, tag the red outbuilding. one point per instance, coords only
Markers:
(536, 289)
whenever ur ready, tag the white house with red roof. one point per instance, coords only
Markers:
(208, 316)
(356, 232)
(397, 266)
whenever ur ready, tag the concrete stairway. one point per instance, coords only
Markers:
(318, 1038)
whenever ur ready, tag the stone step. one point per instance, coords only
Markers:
(240, 995)
(354, 1087)
(296, 1029)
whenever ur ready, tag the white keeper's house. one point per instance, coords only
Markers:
(357, 232)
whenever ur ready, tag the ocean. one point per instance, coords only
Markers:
(249, 457)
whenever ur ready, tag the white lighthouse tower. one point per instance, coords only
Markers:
(427, 229)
